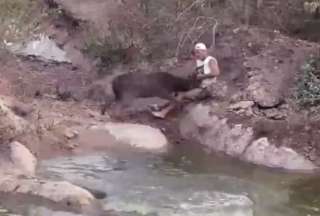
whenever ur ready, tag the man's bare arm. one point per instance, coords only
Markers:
(214, 67)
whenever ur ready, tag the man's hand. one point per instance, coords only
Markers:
(192, 76)
(204, 76)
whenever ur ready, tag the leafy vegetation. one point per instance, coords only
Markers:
(17, 19)
(308, 86)
(106, 53)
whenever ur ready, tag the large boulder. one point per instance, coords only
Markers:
(11, 124)
(238, 141)
(139, 136)
(42, 47)
(263, 91)
(262, 152)
(15, 158)
(214, 132)
(60, 192)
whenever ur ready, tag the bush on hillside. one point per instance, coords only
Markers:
(18, 19)
(308, 86)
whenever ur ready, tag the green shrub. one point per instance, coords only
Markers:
(308, 85)
(18, 18)
(108, 54)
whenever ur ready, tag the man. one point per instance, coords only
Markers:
(207, 66)
(207, 70)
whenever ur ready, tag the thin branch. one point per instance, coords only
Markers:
(214, 31)
(188, 8)
(187, 35)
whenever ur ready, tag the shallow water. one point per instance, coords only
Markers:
(186, 182)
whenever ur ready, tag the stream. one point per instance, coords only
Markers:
(185, 182)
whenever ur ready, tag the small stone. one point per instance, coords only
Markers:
(274, 114)
(92, 114)
(2, 211)
(242, 105)
(236, 97)
(249, 112)
(21, 109)
(72, 146)
(236, 30)
(71, 134)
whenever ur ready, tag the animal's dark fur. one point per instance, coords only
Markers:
(128, 86)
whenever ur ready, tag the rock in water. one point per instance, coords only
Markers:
(11, 124)
(261, 152)
(214, 132)
(15, 158)
(238, 141)
(136, 135)
(60, 192)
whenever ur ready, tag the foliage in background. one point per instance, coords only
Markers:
(312, 6)
(169, 28)
(102, 50)
(153, 30)
(308, 86)
(18, 19)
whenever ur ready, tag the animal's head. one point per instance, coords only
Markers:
(187, 84)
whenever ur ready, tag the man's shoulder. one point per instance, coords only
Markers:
(211, 58)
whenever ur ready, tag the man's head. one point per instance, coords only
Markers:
(200, 51)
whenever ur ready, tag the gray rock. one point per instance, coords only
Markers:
(70, 134)
(274, 113)
(15, 158)
(12, 125)
(139, 136)
(265, 97)
(60, 192)
(242, 105)
(214, 132)
(261, 152)
(22, 109)
(42, 47)
(237, 141)
(263, 92)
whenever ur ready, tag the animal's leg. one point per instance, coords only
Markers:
(164, 112)
(103, 108)
(192, 95)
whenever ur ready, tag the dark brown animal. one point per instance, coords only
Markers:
(127, 87)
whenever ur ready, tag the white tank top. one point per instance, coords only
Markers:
(203, 66)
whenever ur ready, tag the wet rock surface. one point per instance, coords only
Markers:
(138, 136)
(12, 125)
(15, 158)
(61, 192)
(238, 140)
(262, 152)
(17, 176)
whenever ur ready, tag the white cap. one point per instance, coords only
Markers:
(200, 46)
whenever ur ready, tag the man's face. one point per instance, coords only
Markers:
(200, 54)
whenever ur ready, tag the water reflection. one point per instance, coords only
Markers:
(305, 196)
